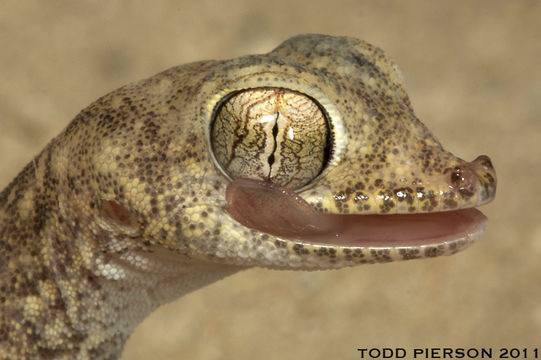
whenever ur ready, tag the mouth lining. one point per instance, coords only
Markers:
(280, 212)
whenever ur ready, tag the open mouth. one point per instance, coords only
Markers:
(279, 211)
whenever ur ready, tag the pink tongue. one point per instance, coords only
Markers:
(280, 212)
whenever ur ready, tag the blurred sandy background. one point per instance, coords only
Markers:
(473, 71)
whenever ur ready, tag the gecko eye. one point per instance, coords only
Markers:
(271, 134)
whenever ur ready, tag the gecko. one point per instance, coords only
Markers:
(307, 157)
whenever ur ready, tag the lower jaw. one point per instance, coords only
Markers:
(407, 230)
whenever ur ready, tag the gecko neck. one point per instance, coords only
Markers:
(66, 291)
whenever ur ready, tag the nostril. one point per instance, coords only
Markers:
(463, 179)
(456, 176)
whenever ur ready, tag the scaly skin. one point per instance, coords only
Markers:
(124, 210)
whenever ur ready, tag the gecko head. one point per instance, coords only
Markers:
(329, 166)
(309, 156)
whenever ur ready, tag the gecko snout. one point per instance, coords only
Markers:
(477, 176)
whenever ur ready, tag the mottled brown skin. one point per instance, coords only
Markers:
(124, 210)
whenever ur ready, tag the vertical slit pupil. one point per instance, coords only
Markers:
(271, 159)
(274, 134)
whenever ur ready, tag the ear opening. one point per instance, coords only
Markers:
(118, 214)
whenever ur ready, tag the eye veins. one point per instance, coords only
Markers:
(271, 134)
